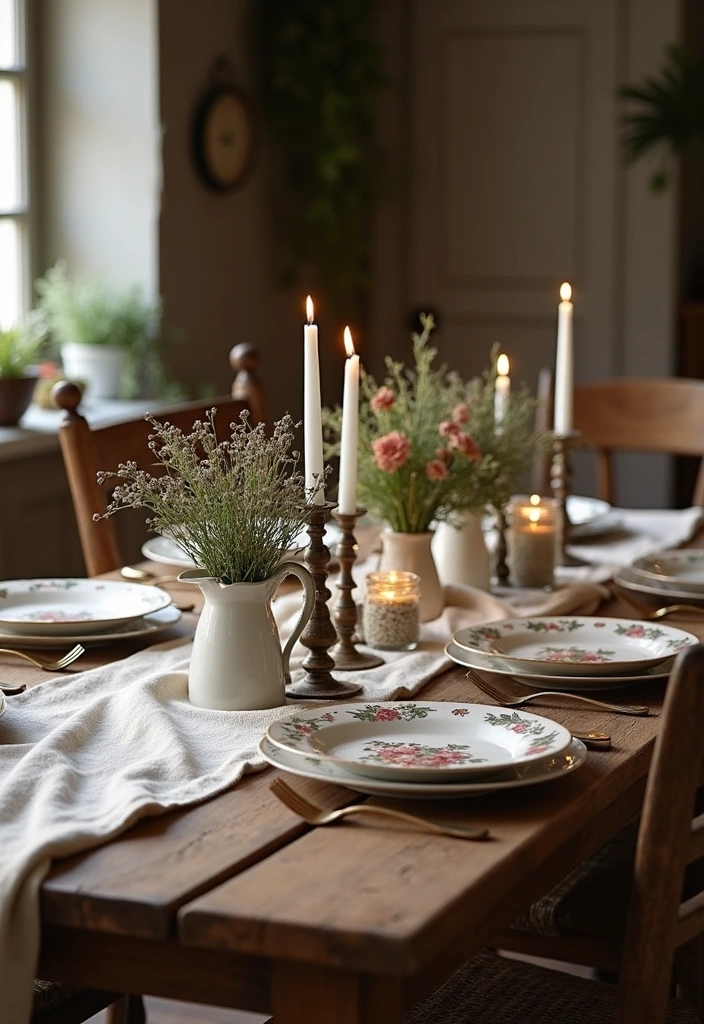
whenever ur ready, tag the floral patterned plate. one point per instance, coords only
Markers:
(683, 568)
(146, 627)
(574, 645)
(43, 607)
(420, 741)
(167, 551)
(531, 678)
(327, 770)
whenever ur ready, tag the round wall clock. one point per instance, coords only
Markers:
(224, 137)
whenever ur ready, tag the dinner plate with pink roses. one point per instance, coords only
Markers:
(420, 741)
(574, 645)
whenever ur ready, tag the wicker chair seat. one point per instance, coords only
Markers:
(54, 1002)
(491, 989)
(593, 899)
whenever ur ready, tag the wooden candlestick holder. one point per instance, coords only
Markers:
(319, 635)
(501, 568)
(347, 657)
(561, 482)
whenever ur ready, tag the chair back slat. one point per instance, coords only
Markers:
(663, 847)
(87, 451)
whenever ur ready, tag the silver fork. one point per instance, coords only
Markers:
(315, 815)
(49, 666)
(510, 702)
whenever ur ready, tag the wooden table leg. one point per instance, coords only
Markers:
(302, 993)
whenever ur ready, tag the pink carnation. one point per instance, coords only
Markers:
(391, 451)
(448, 428)
(465, 444)
(460, 414)
(383, 399)
(436, 470)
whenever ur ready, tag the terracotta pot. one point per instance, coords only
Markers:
(15, 396)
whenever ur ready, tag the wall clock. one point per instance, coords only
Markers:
(224, 138)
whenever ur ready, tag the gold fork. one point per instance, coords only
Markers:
(49, 666)
(315, 815)
(514, 702)
(658, 613)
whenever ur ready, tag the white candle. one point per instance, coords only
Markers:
(312, 409)
(347, 497)
(502, 390)
(564, 364)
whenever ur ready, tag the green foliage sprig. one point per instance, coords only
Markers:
(666, 114)
(429, 448)
(320, 72)
(92, 313)
(234, 506)
(21, 347)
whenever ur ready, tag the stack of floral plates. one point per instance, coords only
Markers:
(670, 575)
(422, 748)
(571, 653)
(54, 612)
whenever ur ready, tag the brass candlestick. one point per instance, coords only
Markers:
(319, 635)
(561, 482)
(347, 657)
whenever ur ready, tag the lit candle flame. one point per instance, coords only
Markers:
(535, 499)
(349, 344)
(565, 292)
(310, 312)
(502, 365)
(534, 515)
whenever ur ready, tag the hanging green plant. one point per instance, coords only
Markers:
(666, 113)
(320, 72)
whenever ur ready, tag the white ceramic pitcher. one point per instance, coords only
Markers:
(237, 663)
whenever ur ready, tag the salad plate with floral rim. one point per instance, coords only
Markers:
(574, 645)
(143, 628)
(528, 677)
(66, 606)
(533, 773)
(420, 741)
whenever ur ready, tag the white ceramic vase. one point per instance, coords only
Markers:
(237, 663)
(460, 552)
(99, 367)
(411, 552)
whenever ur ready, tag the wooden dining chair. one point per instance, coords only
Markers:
(87, 450)
(646, 414)
(55, 1003)
(493, 989)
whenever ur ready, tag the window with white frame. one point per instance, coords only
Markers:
(14, 177)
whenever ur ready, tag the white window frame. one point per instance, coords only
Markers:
(20, 212)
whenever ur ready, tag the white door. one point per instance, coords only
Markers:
(517, 184)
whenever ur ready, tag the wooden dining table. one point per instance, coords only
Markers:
(238, 902)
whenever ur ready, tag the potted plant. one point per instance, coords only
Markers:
(20, 349)
(665, 117)
(236, 507)
(106, 337)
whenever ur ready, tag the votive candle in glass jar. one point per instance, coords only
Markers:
(532, 540)
(392, 611)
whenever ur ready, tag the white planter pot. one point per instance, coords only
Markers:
(99, 367)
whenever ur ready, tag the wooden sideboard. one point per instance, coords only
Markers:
(38, 535)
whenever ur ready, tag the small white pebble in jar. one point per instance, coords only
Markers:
(391, 625)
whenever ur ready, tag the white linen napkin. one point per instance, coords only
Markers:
(82, 757)
(638, 532)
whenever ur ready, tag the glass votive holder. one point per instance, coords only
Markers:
(392, 611)
(532, 540)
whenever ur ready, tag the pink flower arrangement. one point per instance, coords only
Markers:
(428, 448)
